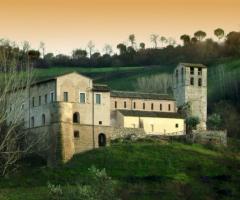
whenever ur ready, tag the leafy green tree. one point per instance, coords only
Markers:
(219, 33)
(142, 45)
(186, 39)
(132, 39)
(154, 40)
(200, 35)
(194, 40)
(79, 53)
(214, 121)
(191, 123)
(122, 48)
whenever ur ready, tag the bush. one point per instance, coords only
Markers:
(99, 187)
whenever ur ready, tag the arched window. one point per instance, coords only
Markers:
(43, 119)
(76, 117)
(102, 141)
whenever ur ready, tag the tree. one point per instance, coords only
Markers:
(132, 39)
(142, 45)
(122, 48)
(200, 35)
(79, 53)
(90, 47)
(186, 39)
(191, 123)
(214, 121)
(163, 40)
(107, 49)
(154, 40)
(194, 40)
(15, 141)
(219, 33)
(42, 47)
(171, 41)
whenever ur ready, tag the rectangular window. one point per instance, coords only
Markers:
(115, 104)
(192, 81)
(76, 134)
(39, 100)
(199, 82)
(152, 106)
(134, 105)
(143, 106)
(199, 71)
(169, 107)
(125, 104)
(45, 98)
(51, 97)
(100, 122)
(98, 98)
(65, 96)
(191, 70)
(176, 125)
(32, 122)
(33, 101)
(82, 97)
(160, 106)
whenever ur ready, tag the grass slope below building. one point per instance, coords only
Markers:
(143, 169)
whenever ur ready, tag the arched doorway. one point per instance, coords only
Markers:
(102, 140)
(76, 117)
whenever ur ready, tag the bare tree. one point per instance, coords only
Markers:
(15, 141)
(107, 49)
(161, 83)
(90, 47)
(163, 40)
(42, 48)
(154, 40)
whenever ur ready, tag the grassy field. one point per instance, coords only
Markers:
(143, 170)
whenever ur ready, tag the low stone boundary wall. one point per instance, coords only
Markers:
(209, 137)
(125, 132)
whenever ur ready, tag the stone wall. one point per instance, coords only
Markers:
(210, 137)
(124, 132)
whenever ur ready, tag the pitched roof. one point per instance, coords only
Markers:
(193, 65)
(136, 113)
(39, 81)
(140, 95)
(100, 88)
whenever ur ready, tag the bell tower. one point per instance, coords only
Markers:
(190, 86)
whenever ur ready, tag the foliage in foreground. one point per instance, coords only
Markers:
(99, 187)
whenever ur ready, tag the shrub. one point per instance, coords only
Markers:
(99, 187)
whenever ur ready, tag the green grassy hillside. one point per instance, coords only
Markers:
(144, 170)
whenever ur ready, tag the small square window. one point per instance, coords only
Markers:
(176, 125)
(199, 71)
(76, 134)
(100, 122)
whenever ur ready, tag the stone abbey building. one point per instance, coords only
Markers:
(78, 115)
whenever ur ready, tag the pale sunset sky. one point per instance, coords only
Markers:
(64, 25)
